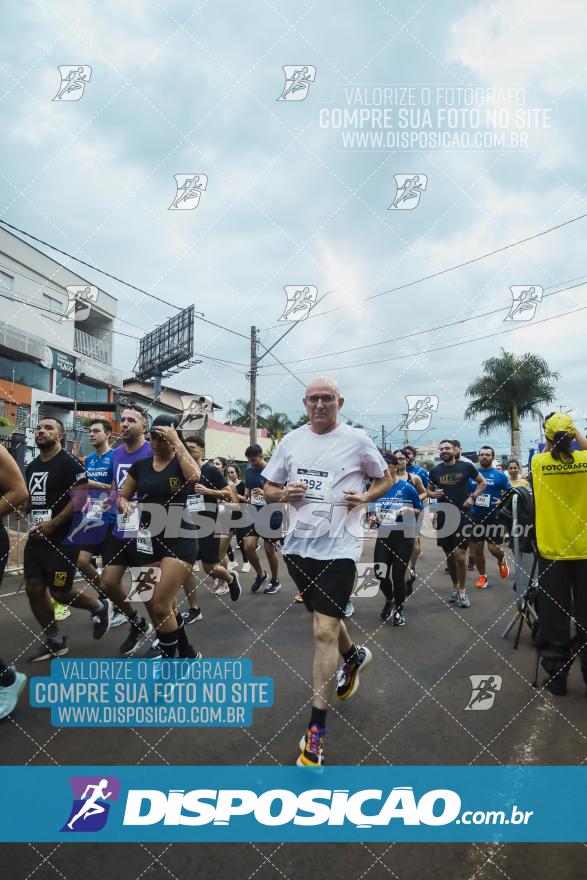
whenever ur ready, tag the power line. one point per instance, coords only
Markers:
(415, 354)
(451, 323)
(165, 302)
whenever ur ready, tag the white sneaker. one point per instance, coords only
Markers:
(232, 565)
(221, 590)
(246, 567)
(9, 695)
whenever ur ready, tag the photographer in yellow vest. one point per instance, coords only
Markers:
(559, 481)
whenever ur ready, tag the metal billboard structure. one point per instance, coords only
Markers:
(167, 349)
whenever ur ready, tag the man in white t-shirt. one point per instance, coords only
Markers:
(325, 465)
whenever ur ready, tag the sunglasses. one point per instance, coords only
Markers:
(325, 398)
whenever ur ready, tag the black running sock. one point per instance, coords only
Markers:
(318, 717)
(168, 643)
(352, 654)
(7, 676)
(184, 649)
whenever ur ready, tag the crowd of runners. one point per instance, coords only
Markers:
(158, 509)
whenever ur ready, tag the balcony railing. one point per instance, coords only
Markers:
(91, 346)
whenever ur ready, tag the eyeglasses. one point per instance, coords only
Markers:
(325, 398)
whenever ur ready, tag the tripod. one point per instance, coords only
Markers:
(525, 612)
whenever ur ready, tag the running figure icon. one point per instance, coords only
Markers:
(91, 807)
(409, 188)
(484, 690)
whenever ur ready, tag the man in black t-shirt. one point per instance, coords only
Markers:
(450, 483)
(56, 481)
(210, 491)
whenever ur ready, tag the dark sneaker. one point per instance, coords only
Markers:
(103, 619)
(53, 647)
(153, 652)
(9, 694)
(235, 587)
(256, 585)
(192, 615)
(386, 611)
(312, 748)
(138, 630)
(347, 677)
(556, 685)
(471, 565)
(274, 587)
(399, 618)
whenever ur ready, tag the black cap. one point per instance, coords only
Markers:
(166, 421)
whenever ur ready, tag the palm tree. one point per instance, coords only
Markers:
(276, 424)
(510, 388)
(303, 420)
(239, 415)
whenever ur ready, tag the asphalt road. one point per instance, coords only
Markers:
(410, 709)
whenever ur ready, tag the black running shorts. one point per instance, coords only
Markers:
(53, 565)
(324, 584)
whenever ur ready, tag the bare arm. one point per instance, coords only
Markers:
(13, 490)
(581, 439)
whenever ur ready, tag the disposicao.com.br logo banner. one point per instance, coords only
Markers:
(235, 804)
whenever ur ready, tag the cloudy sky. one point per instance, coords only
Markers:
(190, 88)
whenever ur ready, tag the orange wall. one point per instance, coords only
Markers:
(12, 394)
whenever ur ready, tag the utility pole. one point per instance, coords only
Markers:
(253, 387)
(383, 438)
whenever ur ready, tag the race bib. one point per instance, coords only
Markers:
(38, 516)
(387, 515)
(144, 541)
(319, 483)
(95, 511)
(483, 501)
(258, 498)
(195, 503)
(128, 523)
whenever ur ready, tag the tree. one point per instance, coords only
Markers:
(239, 415)
(276, 424)
(510, 388)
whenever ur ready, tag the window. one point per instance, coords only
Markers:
(6, 280)
(52, 304)
(27, 373)
(65, 385)
(23, 414)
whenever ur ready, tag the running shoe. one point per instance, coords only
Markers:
(399, 618)
(347, 677)
(256, 585)
(556, 685)
(138, 630)
(312, 748)
(246, 567)
(192, 615)
(60, 612)
(9, 694)
(103, 619)
(153, 652)
(274, 587)
(454, 597)
(463, 600)
(482, 583)
(471, 565)
(118, 619)
(53, 647)
(234, 587)
(349, 610)
(232, 565)
(222, 589)
(386, 611)
(503, 568)
(299, 598)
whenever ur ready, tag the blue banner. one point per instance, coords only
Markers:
(230, 804)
